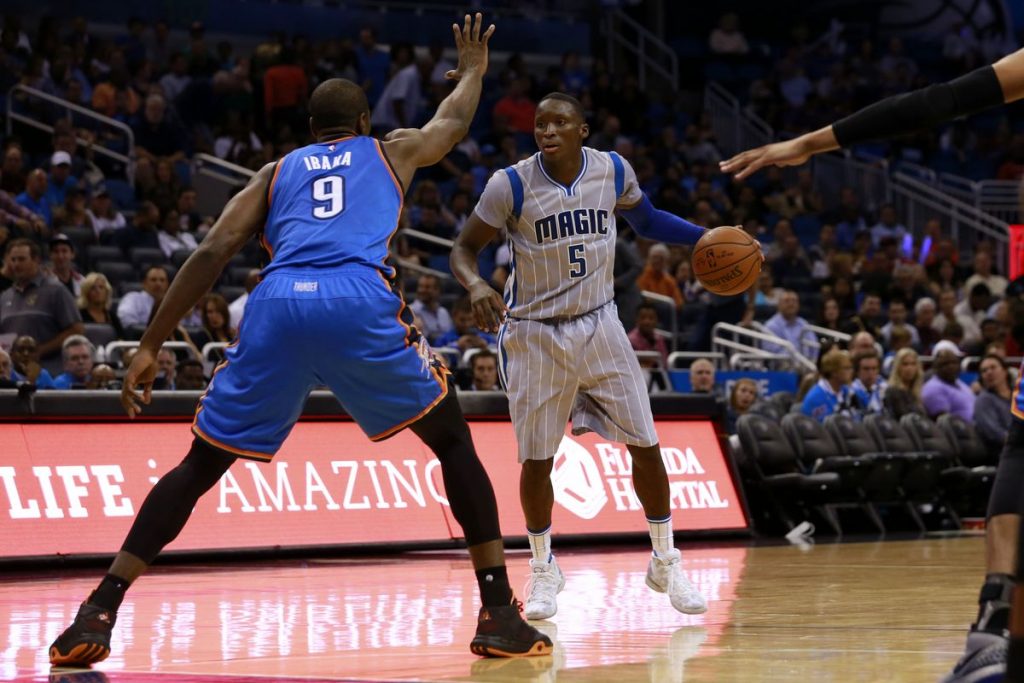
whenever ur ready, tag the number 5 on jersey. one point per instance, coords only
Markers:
(329, 191)
(577, 261)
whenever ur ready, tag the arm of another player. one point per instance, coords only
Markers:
(242, 218)
(977, 91)
(412, 148)
(488, 306)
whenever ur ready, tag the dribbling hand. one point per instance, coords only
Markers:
(142, 371)
(472, 47)
(488, 307)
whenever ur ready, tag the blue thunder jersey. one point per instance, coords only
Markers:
(332, 204)
(327, 310)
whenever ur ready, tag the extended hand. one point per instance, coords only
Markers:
(488, 307)
(142, 371)
(789, 153)
(472, 47)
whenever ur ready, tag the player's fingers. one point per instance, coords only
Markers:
(467, 29)
(147, 393)
(452, 75)
(488, 33)
(476, 27)
(750, 167)
(458, 36)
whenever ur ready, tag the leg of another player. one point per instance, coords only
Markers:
(161, 518)
(537, 497)
(500, 630)
(664, 573)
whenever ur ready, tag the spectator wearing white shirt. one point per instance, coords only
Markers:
(400, 102)
(103, 213)
(726, 38)
(237, 307)
(983, 275)
(177, 79)
(976, 305)
(172, 237)
(948, 314)
(436, 320)
(887, 226)
(788, 325)
(898, 318)
(136, 307)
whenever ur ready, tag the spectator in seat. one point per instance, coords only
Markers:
(868, 317)
(924, 324)
(166, 363)
(399, 103)
(829, 315)
(887, 226)
(285, 87)
(727, 39)
(948, 314)
(656, 278)
(374, 64)
(992, 415)
(945, 392)
(899, 339)
(12, 172)
(73, 214)
(898, 318)
(792, 265)
(94, 303)
(743, 395)
(156, 135)
(788, 325)
(237, 307)
(868, 384)
(190, 376)
(905, 379)
(983, 274)
(176, 79)
(516, 110)
(135, 307)
(216, 322)
(992, 332)
(702, 377)
(908, 284)
(143, 230)
(862, 342)
(102, 212)
(36, 306)
(643, 337)
(171, 236)
(7, 380)
(436, 319)
(979, 300)
(26, 367)
(78, 355)
(484, 365)
(464, 335)
(60, 180)
(34, 199)
(103, 377)
(832, 395)
(62, 264)
(767, 293)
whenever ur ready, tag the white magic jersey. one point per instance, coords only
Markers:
(562, 237)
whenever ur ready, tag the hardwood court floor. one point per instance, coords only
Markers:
(873, 611)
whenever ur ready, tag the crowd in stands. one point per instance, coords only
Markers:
(79, 257)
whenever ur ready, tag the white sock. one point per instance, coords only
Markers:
(661, 535)
(540, 544)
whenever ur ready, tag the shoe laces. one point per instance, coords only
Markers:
(540, 575)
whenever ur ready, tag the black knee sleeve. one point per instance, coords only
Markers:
(1009, 484)
(167, 507)
(466, 483)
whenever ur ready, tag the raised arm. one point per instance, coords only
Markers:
(979, 90)
(412, 148)
(242, 218)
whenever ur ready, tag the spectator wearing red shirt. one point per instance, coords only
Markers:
(285, 88)
(516, 108)
(644, 338)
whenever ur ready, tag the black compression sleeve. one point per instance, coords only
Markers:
(921, 109)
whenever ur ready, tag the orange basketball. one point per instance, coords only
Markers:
(726, 260)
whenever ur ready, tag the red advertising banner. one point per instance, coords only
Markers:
(75, 488)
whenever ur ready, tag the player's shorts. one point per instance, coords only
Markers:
(583, 367)
(345, 329)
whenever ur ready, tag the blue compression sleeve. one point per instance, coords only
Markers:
(655, 224)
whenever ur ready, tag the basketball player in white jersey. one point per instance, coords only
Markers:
(562, 350)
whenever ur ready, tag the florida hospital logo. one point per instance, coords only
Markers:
(577, 481)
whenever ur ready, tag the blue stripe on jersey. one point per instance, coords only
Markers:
(515, 283)
(503, 358)
(517, 191)
(620, 174)
(334, 204)
(567, 189)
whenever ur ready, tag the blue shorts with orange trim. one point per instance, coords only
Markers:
(345, 329)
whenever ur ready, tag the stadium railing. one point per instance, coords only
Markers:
(651, 54)
(215, 181)
(38, 109)
(676, 358)
(724, 337)
(668, 304)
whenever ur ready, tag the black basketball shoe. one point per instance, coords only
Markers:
(501, 632)
(87, 640)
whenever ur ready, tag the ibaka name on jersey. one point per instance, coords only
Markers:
(322, 162)
(571, 223)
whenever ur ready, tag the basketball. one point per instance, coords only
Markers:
(726, 260)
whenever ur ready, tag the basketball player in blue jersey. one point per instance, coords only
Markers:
(987, 655)
(562, 350)
(328, 311)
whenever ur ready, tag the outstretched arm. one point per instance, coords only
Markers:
(662, 226)
(979, 90)
(412, 148)
(242, 218)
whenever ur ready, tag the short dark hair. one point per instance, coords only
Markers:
(482, 353)
(33, 247)
(191, 363)
(337, 103)
(160, 268)
(862, 356)
(577, 107)
(647, 306)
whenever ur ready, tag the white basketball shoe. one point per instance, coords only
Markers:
(665, 575)
(546, 582)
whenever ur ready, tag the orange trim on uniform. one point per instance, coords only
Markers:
(253, 455)
(1013, 400)
(273, 179)
(391, 171)
(423, 413)
(266, 245)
